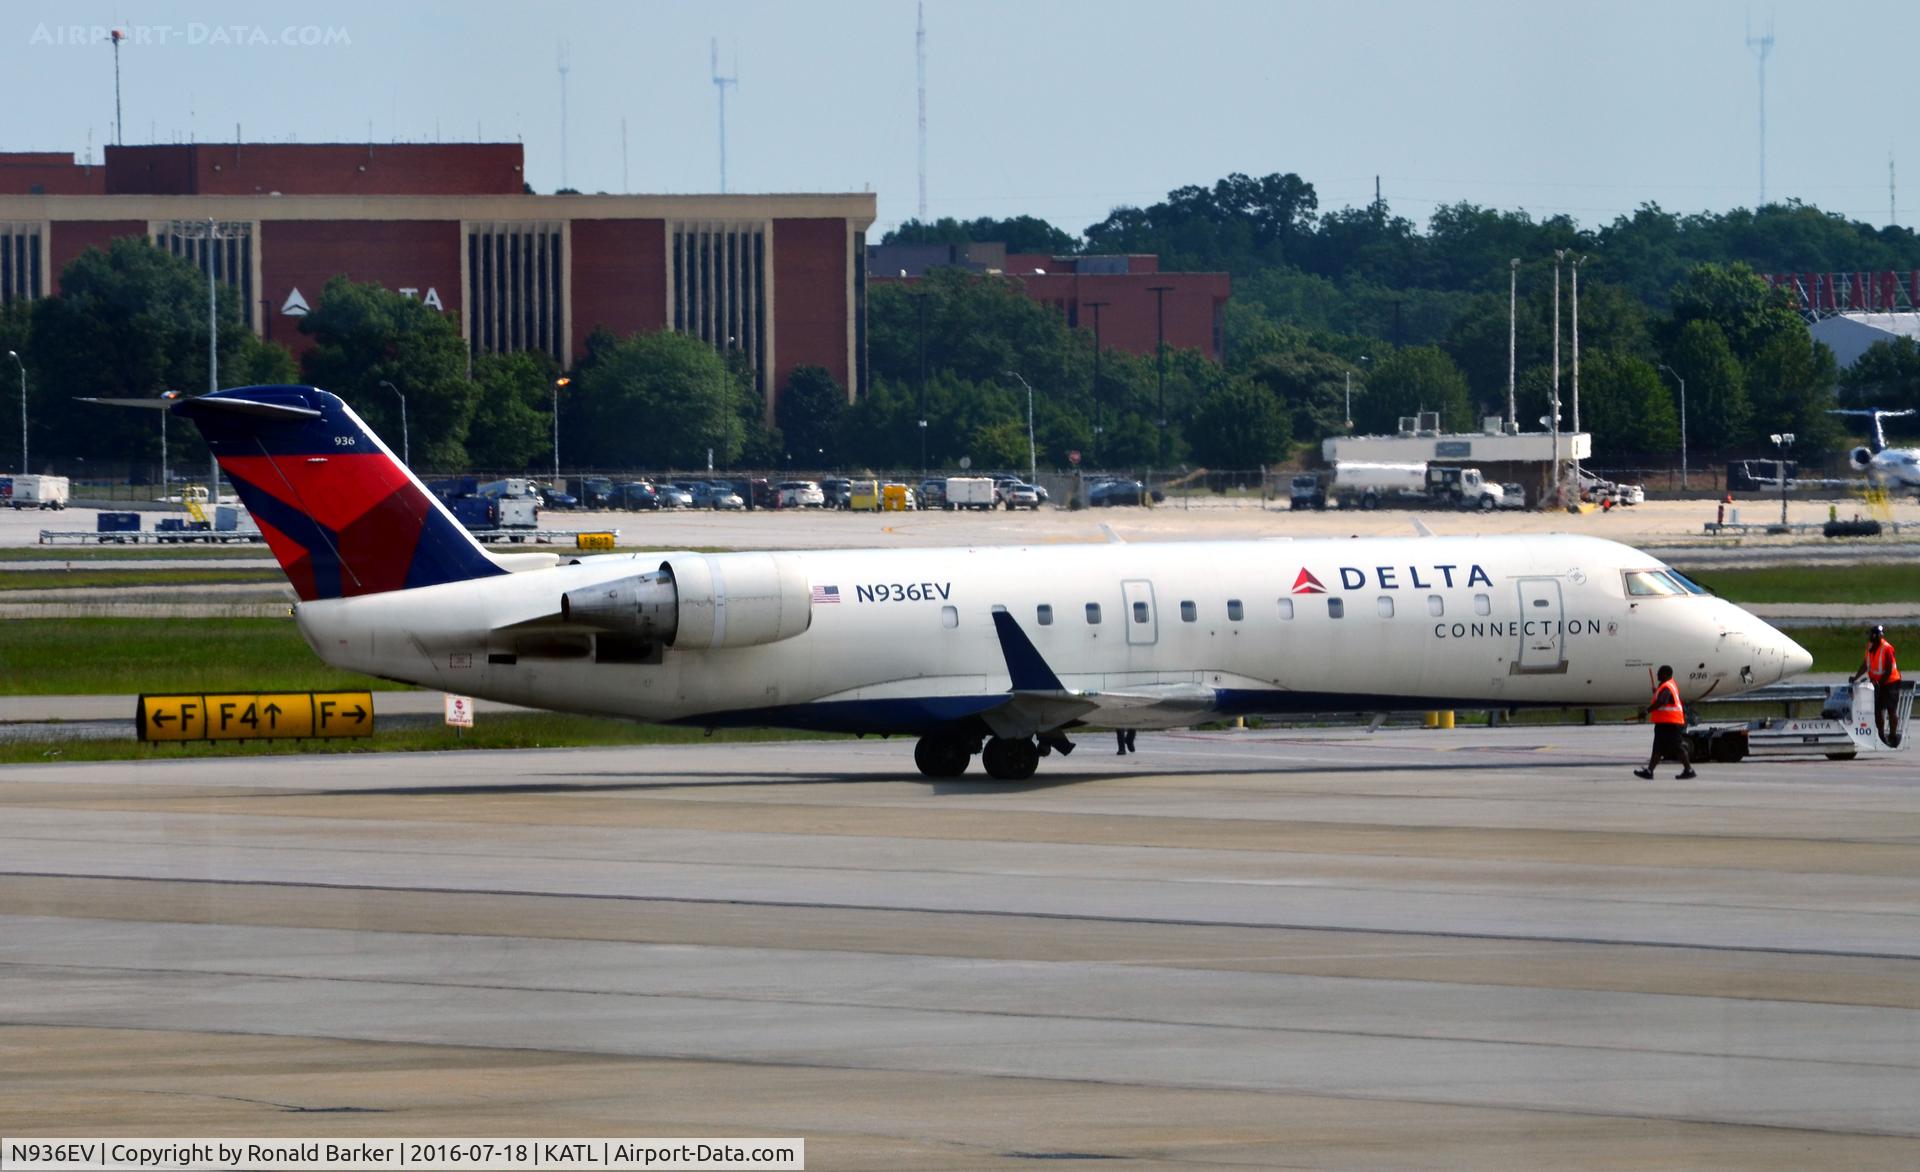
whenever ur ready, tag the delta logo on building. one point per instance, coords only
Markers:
(1390, 578)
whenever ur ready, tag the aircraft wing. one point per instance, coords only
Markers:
(1039, 702)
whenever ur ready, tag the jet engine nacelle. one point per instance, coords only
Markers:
(1861, 458)
(701, 601)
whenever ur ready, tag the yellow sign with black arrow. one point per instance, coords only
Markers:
(254, 716)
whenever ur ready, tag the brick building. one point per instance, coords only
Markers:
(780, 277)
(1117, 290)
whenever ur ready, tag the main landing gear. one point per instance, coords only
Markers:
(1005, 758)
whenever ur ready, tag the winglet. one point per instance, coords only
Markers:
(1029, 671)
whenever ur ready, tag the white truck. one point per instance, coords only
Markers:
(33, 492)
(1364, 485)
(971, 492)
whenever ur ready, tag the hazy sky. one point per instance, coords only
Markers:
(1060, 109)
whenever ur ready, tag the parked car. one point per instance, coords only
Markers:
(932, 492)
(596, 492)
(1515, 497)
(801, 494)
(757, 492)
(716, 494)
(553, 497)
(674, 496)
(838, 490)
(636, 494)
(1019, 495)
(1109, 493)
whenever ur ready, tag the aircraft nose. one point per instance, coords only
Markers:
(1794, 658)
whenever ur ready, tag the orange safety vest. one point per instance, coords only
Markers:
(1881, 668)
(1666, 708)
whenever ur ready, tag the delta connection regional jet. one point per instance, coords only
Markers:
(1001, 652)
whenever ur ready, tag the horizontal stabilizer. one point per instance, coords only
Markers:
(202, 407)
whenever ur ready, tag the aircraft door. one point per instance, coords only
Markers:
(1143, 621)
(1543, 641)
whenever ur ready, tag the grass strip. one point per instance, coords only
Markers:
(1864, 584)
(56, 578)
(122, 656)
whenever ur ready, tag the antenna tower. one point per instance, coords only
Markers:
(1761, 47)
(920, 66)
(563, 65)
(721, 83)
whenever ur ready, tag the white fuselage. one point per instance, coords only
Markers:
(1425, 622)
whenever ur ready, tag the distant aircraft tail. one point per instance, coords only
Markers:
(1879, 434)
(342, 515)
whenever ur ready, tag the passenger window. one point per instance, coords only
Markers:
(1093, 614)
(1482, 604)
(949, 617)
(1436, 606)
(1286, 608)
(1139, 612)
(1336, 608)
(1188, 611)
(1045, 615)
(1235, 612)
(1384, 606)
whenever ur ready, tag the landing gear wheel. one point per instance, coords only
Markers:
(941, 756)
(1010, 758)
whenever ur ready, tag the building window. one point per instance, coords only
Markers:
(1139, 612)
(1384, 606)
(1336, 608)
(1093, 614)
(1286, 609)
(1482, 604)
(514, 289)
(1188, 611)
(719, 281)
(1235, 611)
(949, 617)
(1044, 613)
(20, 274)
(228, 256)
(1436, 606)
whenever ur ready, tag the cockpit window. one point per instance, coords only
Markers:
(1691, 586)
(1651, 584)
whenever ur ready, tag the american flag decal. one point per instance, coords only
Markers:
(825, 594)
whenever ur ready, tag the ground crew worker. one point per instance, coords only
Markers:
(1880, 668)
(1669, 719)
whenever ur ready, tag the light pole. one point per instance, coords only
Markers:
(1160, 355)
(15, 355)
(1513, 307)
(406, 452)
(1576, 362)
(1033, 456)
(1683, 421)
(1783, 441)
(166, 475)
(1096, 306)
(213, 346)
(557, 384)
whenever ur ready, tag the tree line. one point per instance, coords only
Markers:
(1355, 310)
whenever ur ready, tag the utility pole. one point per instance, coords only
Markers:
(208, 255)
(1576, 362)
(920, 68)
(1096, 306)
(1033, 456)
(1761, 47)
(1160, 358)
(721, 83)
(1513, 307)
(25, 467)
(920, 312)
(563, 66)
(557, 384)
(118, 138)
(1559, 255)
